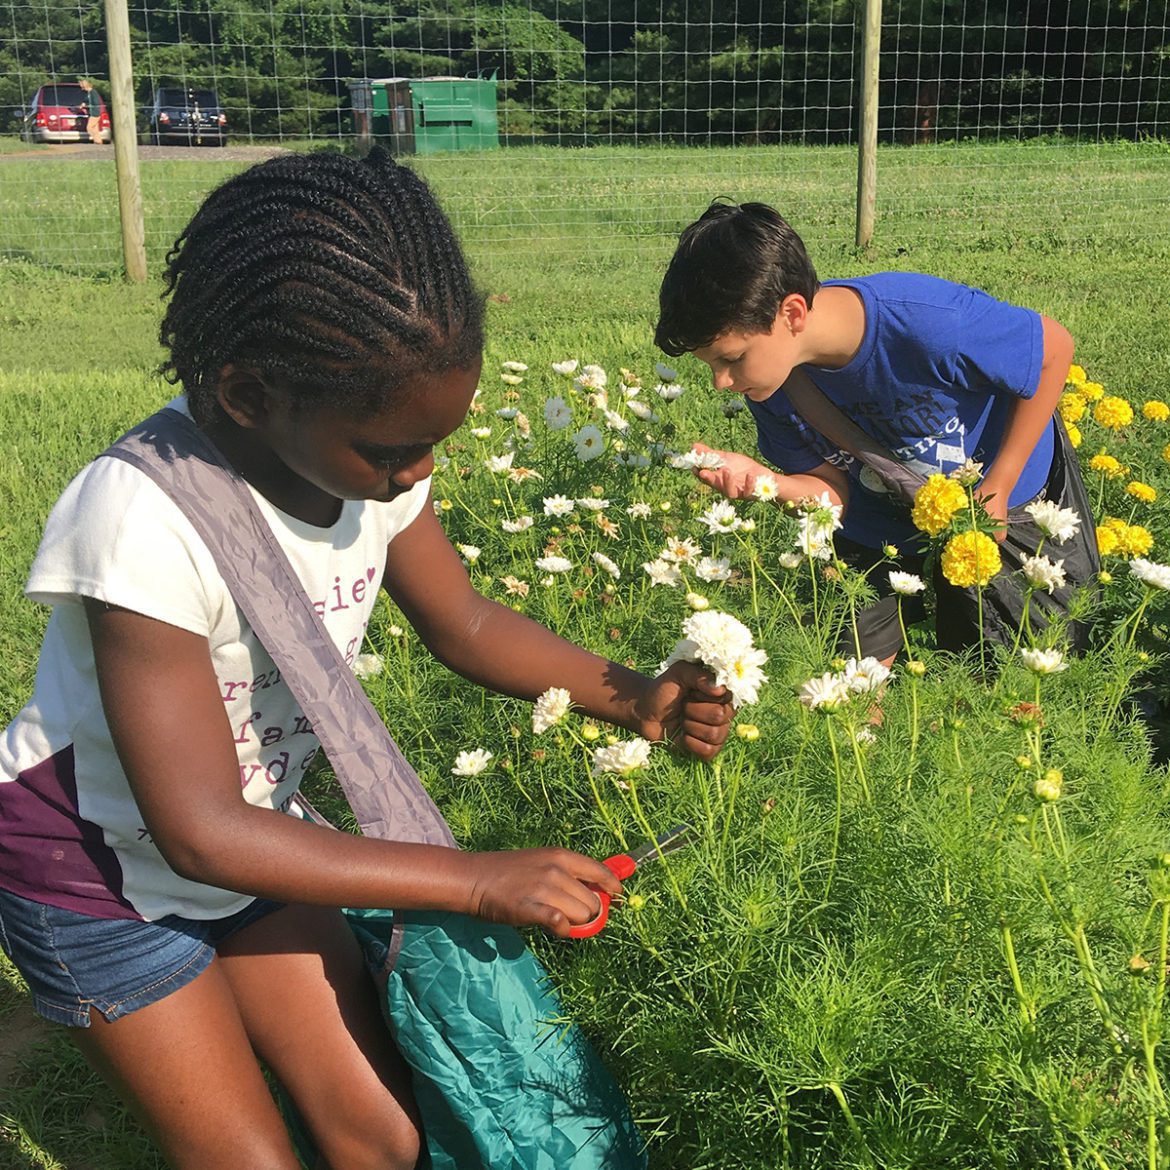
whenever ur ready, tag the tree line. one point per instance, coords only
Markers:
(699, 71)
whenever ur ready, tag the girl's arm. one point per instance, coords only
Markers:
(499, 648)
(736, 479)
(163, 707)
(1029, 417)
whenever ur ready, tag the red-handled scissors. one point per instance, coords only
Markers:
(622, 865)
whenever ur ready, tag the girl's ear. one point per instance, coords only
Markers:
(243, 396)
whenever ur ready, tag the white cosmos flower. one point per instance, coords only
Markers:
(507, 412)
(622, 758)
(865, 675)
(512, 379)
(631, 391)
(520, 524)
(557, 505)
(599, 558)
(720, 517)
(498, 464)
(471, 763)
(1054, 521)
(642, 410)
(547, 579)
(553, 564)
(697, 601)
(724, 645)
(665, 373)
(514, 368)
(824, 693)
(481, 432)
(790, 560)
(1044, 661)
(713, 569)
(668, 391)
(368, 665)
(550, 708)
(615, 422)
(557, 414)
(766, 488)
(1041, 573)
(590, 381)
(681, 552)
(592, 505)
(589, 442)
(565, 369)
(1151, 573)
(662, 573)
(639, 510)
(596, 373)
(689, 460)
(907, 584)
(470, 552)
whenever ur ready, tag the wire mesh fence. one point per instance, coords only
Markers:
(610, 123)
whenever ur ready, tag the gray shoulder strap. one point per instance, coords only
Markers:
(386, 795)
(824, 417)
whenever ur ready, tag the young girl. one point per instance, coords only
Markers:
(326, 334)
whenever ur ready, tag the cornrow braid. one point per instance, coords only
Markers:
(337, 277)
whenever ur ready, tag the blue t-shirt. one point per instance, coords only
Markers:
(934, 380)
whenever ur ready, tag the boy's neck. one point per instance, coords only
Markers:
(834, 328)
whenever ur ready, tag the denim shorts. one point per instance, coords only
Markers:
(73, 962)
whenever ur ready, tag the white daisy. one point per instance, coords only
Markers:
(565, 369)
(589, 443)
(668, 391)
(514, 368)
(621, 758)
(1054, 521)
(907, 584)
(557, 505)
(1151, 573)
(766, 488)
(642, 410)
(498, 464)
(681, 552)
(663, 573)
(720, 517)
(507, 412)
(471, 763)
(865, 675)
(610, 566)
(520, 524)
(824, 693)
(1041, 573)
(553, 564)
(713, 569)
(368, 665)
(590, 504)
(511, 379)
(550, 708)
(639, 510)
(557, 414)
(469, 552)
(1044, 661)
(481, 432)
(665, 373)
(615, 422)
(790, 560)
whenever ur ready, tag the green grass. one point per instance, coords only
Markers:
(735, 1022)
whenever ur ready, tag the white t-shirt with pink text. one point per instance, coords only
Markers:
(71, 833)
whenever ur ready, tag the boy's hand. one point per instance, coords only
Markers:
(683, 706)
(538, 887)
(736, 479)
(994, 499)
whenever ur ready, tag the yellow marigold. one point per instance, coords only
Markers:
(1141, 491)
(936, 503)
(1155, 410)
(1166, 452)
(1135, 541)
(1106, 465)
(1107, 540)
(1113, 412)
(1091, 390)
(1114, 523)
(1074, 434)
(1076, 375)
(1071, 407)
(970, 558)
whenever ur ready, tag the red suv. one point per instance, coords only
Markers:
(57, 114)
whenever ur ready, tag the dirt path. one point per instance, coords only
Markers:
(85, 152)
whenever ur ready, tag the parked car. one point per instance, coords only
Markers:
(59, 113)
(185, 116)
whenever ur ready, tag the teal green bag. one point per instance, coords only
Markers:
(502, 1082)
(501, 1078)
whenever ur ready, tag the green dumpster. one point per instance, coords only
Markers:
(425, 115)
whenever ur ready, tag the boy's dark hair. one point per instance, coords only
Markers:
(335, 276)
(732, 268)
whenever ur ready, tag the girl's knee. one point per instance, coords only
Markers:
(396, 1147)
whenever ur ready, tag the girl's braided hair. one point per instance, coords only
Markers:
(336, 277)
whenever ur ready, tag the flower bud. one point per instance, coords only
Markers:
(635, 902)
(748, 731)
(590, 732)
(916, 667)
(1047, 787)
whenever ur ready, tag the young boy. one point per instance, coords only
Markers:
(938, 373)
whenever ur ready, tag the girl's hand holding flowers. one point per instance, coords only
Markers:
(683, 706)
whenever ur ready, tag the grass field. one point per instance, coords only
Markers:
(779, 1026)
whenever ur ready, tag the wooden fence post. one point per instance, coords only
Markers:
(125, 122)
(868, 119)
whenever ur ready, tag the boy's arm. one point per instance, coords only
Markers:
(498, 648)
(1029, 417)
(736, 479)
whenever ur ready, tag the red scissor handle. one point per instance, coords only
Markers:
(621, 865)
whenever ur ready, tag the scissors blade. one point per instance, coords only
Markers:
(666, 842)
